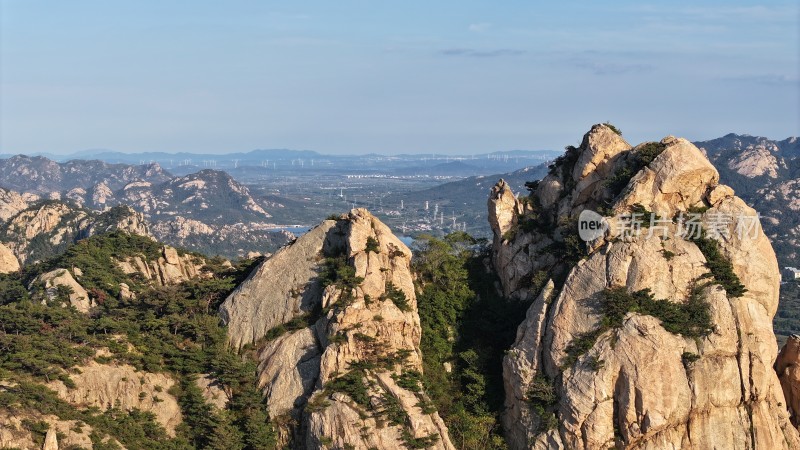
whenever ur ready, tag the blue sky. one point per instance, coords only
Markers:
(367, 76)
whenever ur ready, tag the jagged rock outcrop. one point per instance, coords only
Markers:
(11, 203)
(182, 228)
(787, 365)
(169, 268)
(577, 379)
(102, 195)
(212, 391)
(53, 280)
(46, 225)
(69, 433)
(8, 261)
(269, 296)
(109, 385)
(50, 440)
(122, 218)
(335, 381)
(47, 228)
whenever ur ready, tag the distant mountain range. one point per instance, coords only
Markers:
(766, 174)
(206, 211)
(241, 164)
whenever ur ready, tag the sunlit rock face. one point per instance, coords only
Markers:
(636, 384)
(358, 328)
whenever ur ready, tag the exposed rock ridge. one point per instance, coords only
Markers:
(11, 203)
(636, 385)
(120, 385)
(45, 228)
(364, 333)
(170, 268)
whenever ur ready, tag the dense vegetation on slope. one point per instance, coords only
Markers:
(466, 327)
(172, 329)
(787, 319)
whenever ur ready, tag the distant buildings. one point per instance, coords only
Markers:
(790, 273)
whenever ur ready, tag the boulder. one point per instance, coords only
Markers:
(78, 297)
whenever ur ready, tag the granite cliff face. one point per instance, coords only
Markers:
(120, 385)
(8, 261)
(333, 320)
(645, 340)
(788, 368)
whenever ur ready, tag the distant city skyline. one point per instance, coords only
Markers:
(353, 77)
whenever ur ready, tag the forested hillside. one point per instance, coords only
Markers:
(169, 333)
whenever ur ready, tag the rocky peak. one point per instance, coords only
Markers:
(123, 218)
(751, 156)
(43, 226)
(334, 322)
(101, 195)
(638, 340)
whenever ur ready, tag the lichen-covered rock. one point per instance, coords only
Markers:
(336, 379)
(634, 384)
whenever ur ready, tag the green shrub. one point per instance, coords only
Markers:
(466, 324)
(613, 128)
(642, 156)
(372, 245)
(720, 266)
(542, 397)
(398, 297)
(409, 380)
(688, 358)
(351, 384)
(689, 319)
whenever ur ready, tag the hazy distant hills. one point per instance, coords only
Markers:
(206, 211)
(258, 162)
(40, 175)
(463, 198)
(766, 174)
